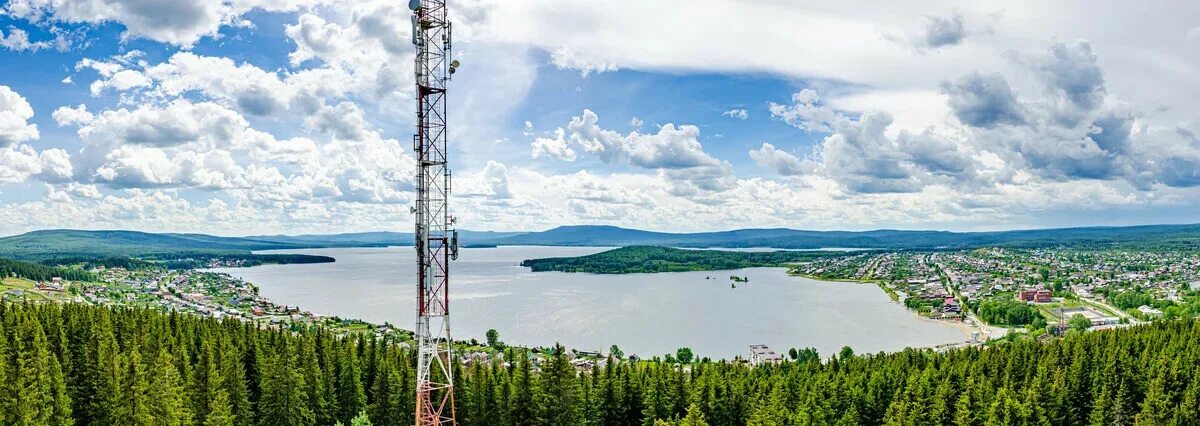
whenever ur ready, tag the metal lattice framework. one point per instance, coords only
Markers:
(436, 240)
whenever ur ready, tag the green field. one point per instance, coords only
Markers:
(1050, 310)
(17, 283)
(25, 285)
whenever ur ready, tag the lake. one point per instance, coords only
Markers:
(646, 314)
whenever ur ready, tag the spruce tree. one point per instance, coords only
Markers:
(220, 411)
(315, 379)
(167, 391)
(770, 411)
(474, 408)
(658, 400)
(206, 381)
(1156, 408)
(32, 381)
(135, 407)
(694, 417)
(62, 411)
(521, 403)
(350, 396)
(849, 418)
(361, 420)
(391, 404)
(233, 382)
(1006, 410)
(634, 399)
(283, 400)
(327, 354)
(559, 391)
(609, 407)
(8, 389)
(1188, 411)
(106, 374)
(500, 393)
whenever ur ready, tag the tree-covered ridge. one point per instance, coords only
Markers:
(77, 364)
(204, 260)
(132, 249)
(39, 272)
(58, 243)
(638, 259)
(1147, 237)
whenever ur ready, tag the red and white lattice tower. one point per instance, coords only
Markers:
(436, 239)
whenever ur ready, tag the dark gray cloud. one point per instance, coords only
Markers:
(1071, 70)
(863, 159)
(258, 101)
(1180, 172)
(940, 32)
(936, 155)
(1064, 160)
(1111, 132)
(983, 101)
(1188, 135)
(1067, 134)
(1168, 157)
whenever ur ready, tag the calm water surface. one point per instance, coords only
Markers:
(642, 313)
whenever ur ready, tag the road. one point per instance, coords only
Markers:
(985, 331)
(1112, 309)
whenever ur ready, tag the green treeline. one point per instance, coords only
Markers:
(86, 365)
(74, 268)
(1006, 312)
(91, 262)
(39, 272)
(75, 364)
(640, 259)
(202, 260)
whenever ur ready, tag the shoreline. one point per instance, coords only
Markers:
(967, 329)
(888, 291)
(949, 338)
(962, 326)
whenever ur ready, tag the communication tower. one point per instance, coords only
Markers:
(436, 239)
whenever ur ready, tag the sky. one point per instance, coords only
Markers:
(248, 117)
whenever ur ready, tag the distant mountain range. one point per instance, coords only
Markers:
(59, 243)
(1161, 235)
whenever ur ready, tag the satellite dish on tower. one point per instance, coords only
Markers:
(414, 4)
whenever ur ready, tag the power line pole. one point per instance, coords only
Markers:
(436, 239)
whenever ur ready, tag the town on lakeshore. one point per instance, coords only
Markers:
(989, 293)
(1042, 291)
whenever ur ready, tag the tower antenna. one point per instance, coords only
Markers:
(436, 239)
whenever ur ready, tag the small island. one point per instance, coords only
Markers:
(647, 259)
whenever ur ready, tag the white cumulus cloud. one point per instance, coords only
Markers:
(15, 113)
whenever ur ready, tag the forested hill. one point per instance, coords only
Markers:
(91, 365)
(637, 259)
(107, 246)
(39, 245)
(126, 248)
(64, 243)
(1144, 237)
(39, 272)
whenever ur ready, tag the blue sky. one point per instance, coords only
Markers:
(293, 116)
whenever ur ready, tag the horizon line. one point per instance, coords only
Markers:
(628, 229)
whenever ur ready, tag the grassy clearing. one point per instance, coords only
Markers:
(17, 283)
(1050, 310)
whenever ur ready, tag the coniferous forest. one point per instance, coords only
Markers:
(86, 365)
